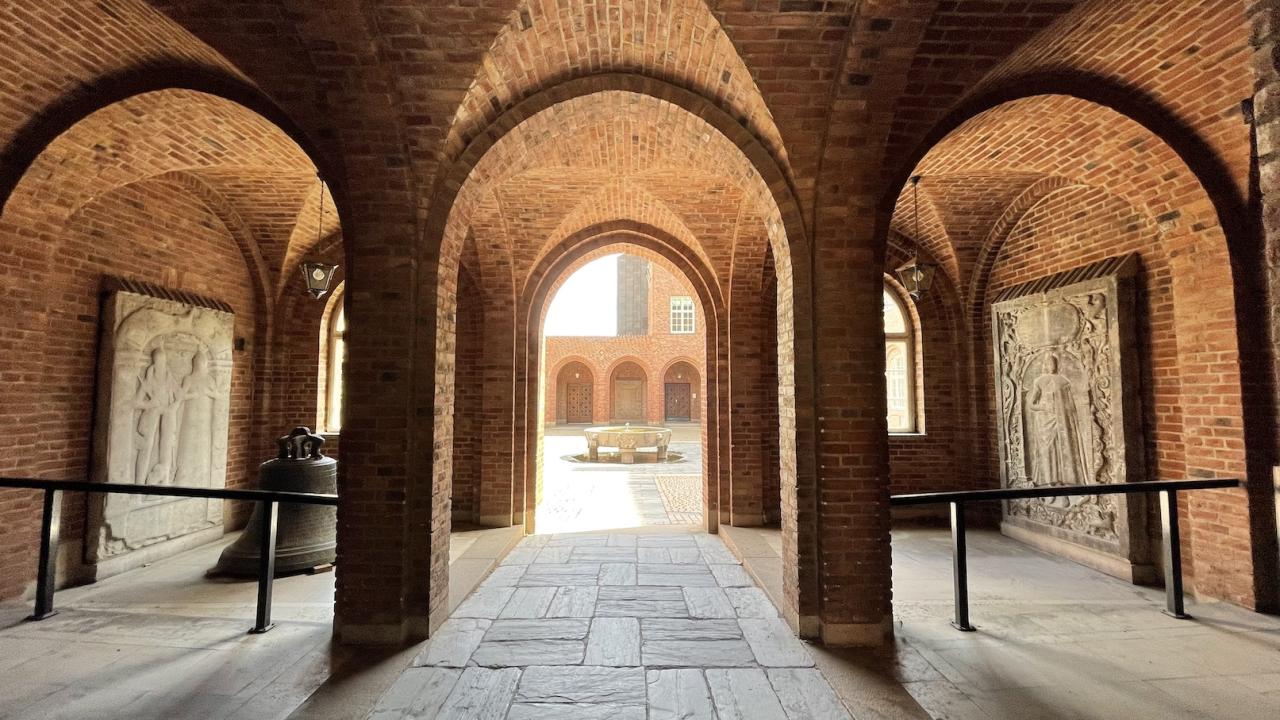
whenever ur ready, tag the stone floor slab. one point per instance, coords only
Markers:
(537, 629)
(678, 579)
(696, 653)
(751, 602)
(528, 652)
(577, 711)
(481, 694)
(613, 641)
(680, 694)
(731, 576)
(578, 601)
(680, 629)
(485, 602)
(642, 608)
(806, 695)
(773, 643)
(586, 684)
(653, 555)
(640, 592)
(529, 602)
(744, 695)
(602, 554)
(617, 574)
(453, 643)
(708, 602)
(418, 693)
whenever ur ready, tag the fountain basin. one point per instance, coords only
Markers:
(627, 438)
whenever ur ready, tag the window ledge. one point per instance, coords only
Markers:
(911, 434)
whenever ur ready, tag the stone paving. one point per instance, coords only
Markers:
(626, 626)
(578, 497)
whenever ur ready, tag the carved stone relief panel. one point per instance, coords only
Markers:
(1066, 373)
(164, 393)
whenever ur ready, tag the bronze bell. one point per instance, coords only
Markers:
(307, 534)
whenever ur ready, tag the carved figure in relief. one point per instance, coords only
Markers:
(158, 402)
(1058, 456)
(199, 392)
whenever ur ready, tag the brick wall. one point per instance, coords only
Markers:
(647, 356)
(153, 231)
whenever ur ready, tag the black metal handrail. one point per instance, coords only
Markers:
(50, 527)
(1168, 490)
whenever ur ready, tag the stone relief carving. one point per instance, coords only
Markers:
(1066, 386)
(164, 406)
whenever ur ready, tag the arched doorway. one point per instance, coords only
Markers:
(680, 393)
(626, 391)
(575, 394)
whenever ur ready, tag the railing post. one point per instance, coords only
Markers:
(960, 568)
(50, 528)
(266, 564)
(1172, 555)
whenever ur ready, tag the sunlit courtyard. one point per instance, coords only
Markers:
(579, 496)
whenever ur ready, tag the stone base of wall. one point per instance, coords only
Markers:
(1136, 573)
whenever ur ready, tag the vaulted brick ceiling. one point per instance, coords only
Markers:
(259, 178)
(833, 90)
(634, 154)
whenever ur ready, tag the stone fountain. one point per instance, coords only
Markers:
(627, 439)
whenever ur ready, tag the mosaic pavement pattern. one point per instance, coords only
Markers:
(682, 496)
(618, 626)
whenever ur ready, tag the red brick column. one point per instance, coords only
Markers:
(746, 410)
(498, 428)
(853, 475)
(1265, 18)
(382, 521)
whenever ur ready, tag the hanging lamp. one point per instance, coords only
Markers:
(318, 274)
(916, 276)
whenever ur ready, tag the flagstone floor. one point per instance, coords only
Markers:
(627, 625)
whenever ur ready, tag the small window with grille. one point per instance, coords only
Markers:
(681, 315)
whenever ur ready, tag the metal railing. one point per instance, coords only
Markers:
(51, 520)
(1168, 490)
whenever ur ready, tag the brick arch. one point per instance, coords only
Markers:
(569, 360)
(42, 132)
(696, 381)
(624, 201)
(624, 237)
(626, 363)
(1200, 237)
(225, 147)
(770, 181)
(974, 294)
(558, 375)
(544, 43)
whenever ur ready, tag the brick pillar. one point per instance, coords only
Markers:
(523, 450)
(374, 476)
(1265, 203)
(717, 440)
(853, 475)
(746, 410)
(498, 424)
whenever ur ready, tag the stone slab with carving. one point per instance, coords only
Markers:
(1068, 412)
(164, 395)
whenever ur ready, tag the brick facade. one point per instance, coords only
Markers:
(474, 152)
(656, 357)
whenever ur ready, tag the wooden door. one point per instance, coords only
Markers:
(628, 400)
(578, 400)
(679, 403)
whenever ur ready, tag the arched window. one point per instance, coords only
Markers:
(337, 356)
(899, 365)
